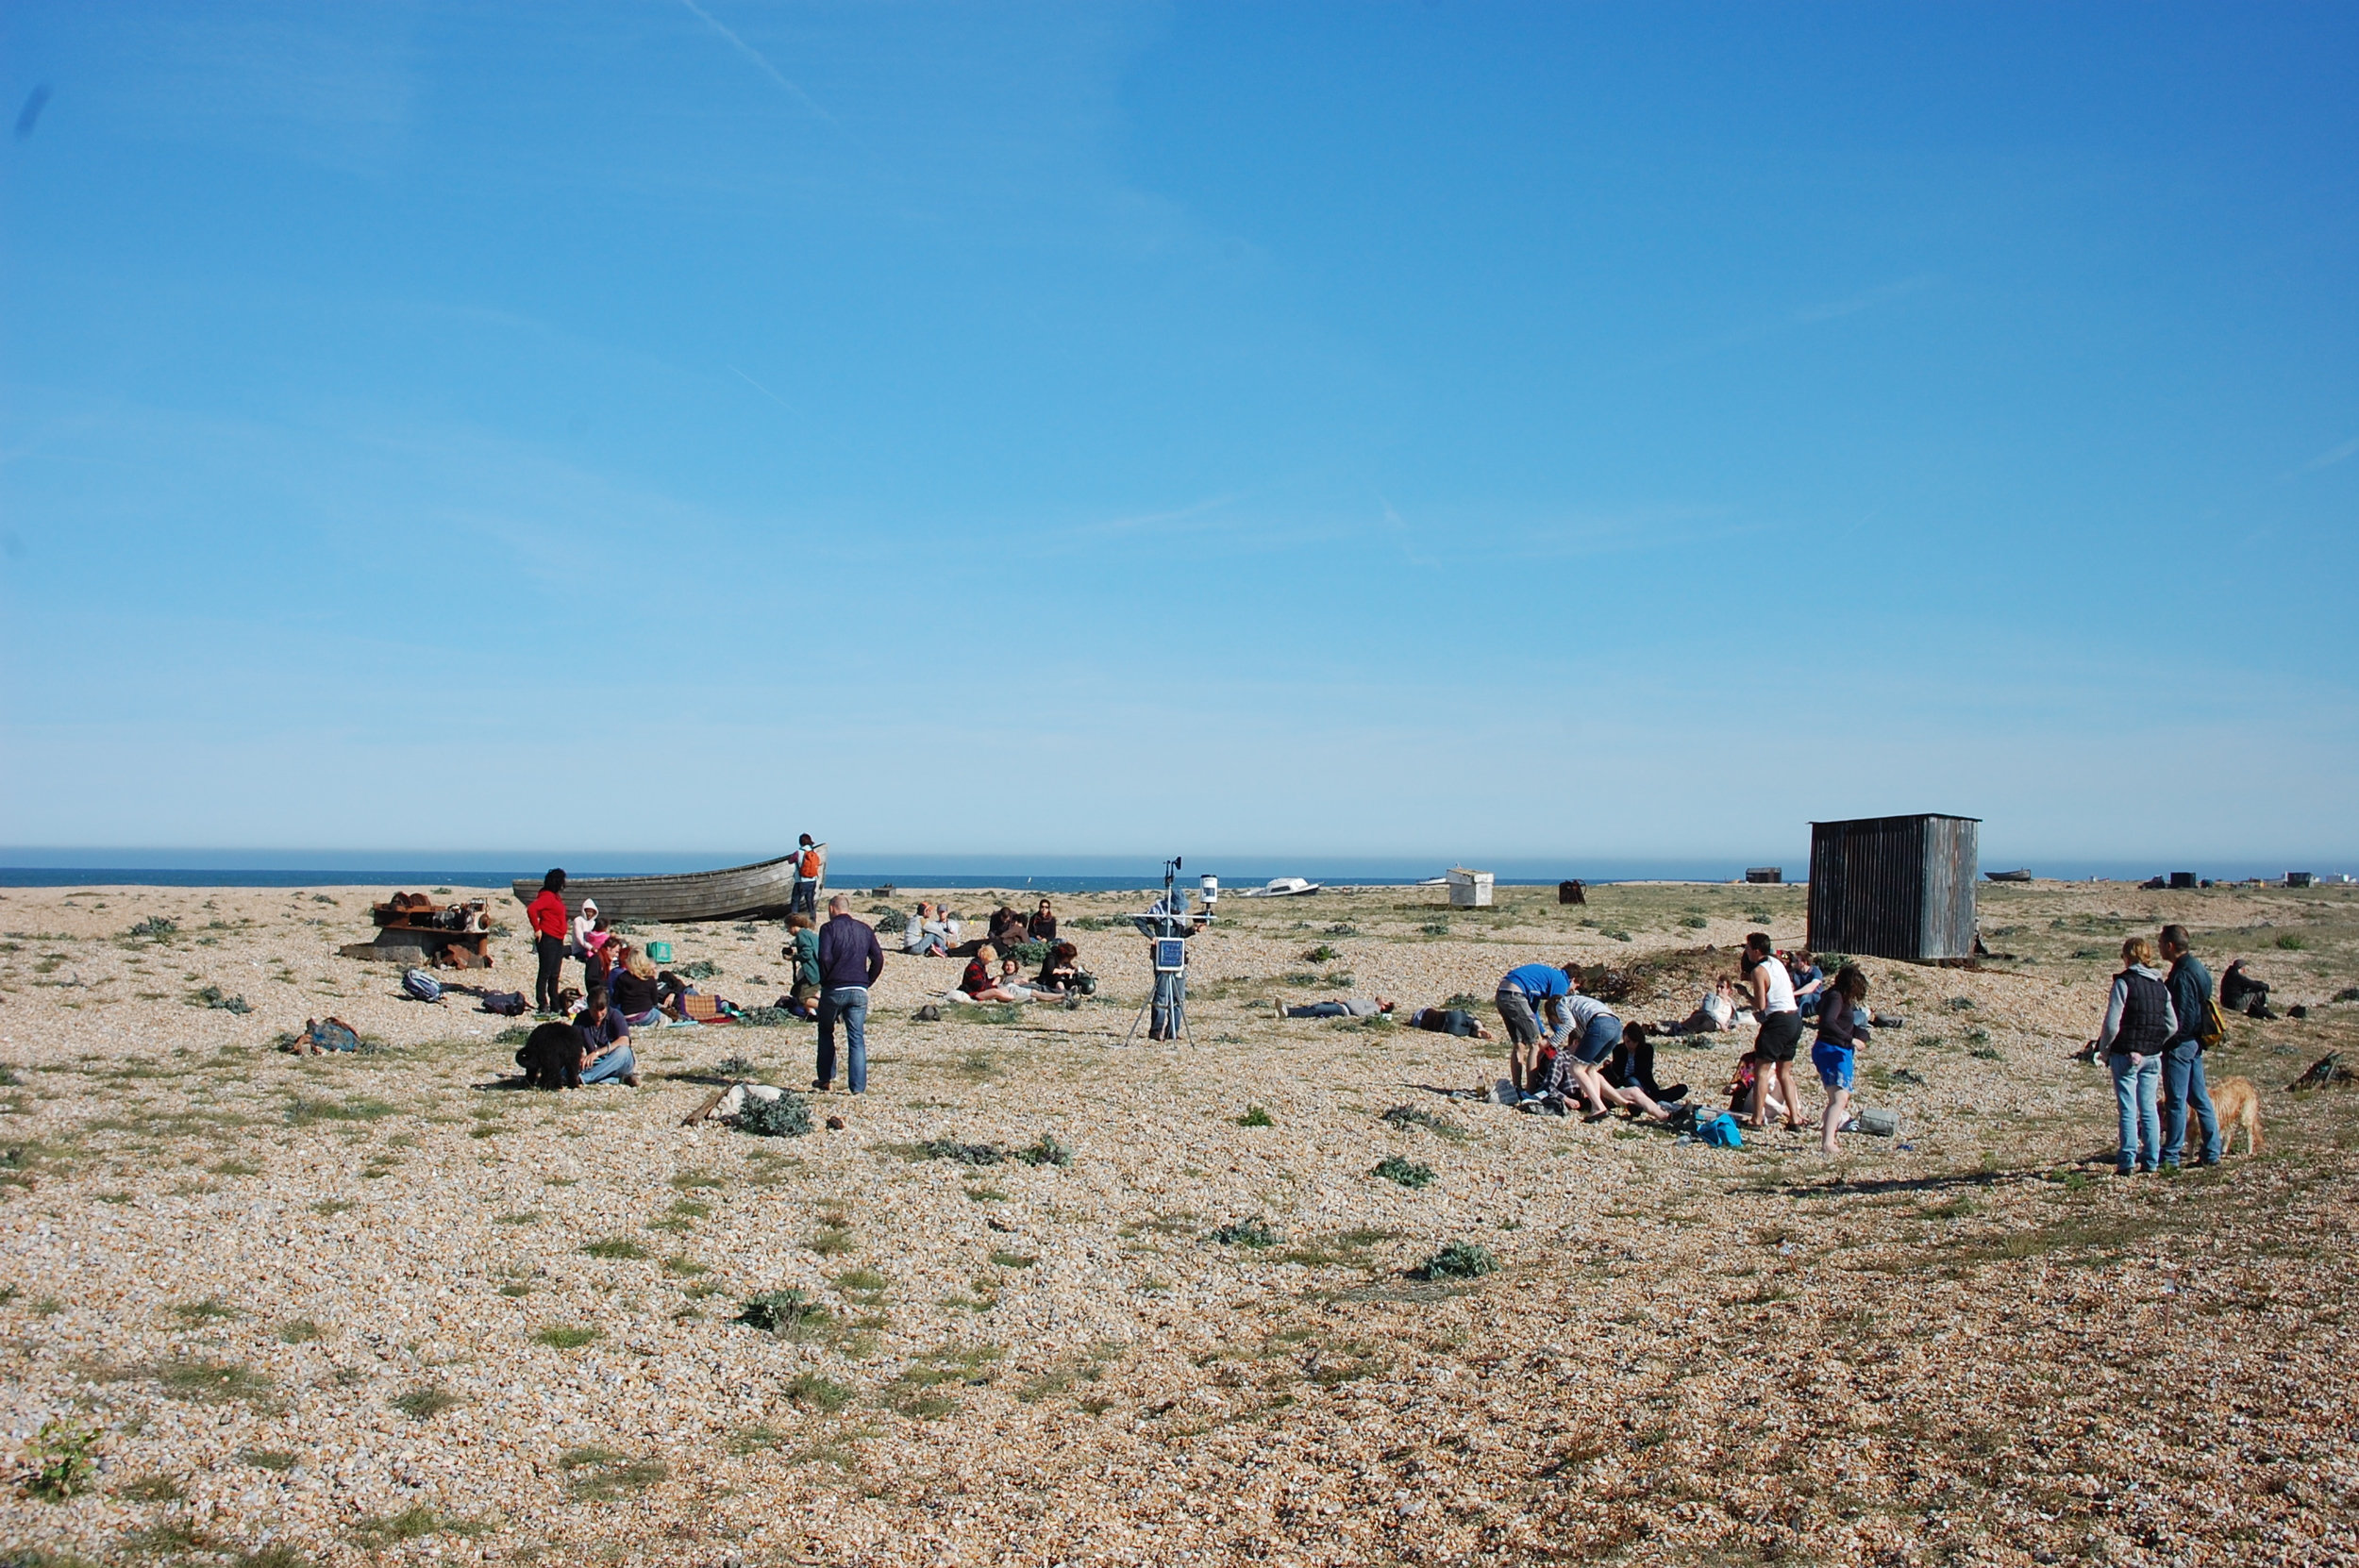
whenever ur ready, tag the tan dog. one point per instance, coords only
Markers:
(2237, 1105)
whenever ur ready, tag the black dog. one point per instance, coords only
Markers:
(552, 1059)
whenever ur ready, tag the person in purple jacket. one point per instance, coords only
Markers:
(850, 962)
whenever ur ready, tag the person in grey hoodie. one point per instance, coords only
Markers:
(2140, 1025)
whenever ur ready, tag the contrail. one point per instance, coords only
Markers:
(766, 391)
(756, 55)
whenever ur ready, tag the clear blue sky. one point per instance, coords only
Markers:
(1403, 429)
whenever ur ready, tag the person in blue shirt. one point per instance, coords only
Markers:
(1525, 993)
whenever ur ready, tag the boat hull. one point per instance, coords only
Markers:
(760, 891)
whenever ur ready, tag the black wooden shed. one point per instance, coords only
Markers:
(1895, 887)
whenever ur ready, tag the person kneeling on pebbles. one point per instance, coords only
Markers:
(1585, 1034)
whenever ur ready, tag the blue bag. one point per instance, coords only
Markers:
(421, 986)
(1722, 1132)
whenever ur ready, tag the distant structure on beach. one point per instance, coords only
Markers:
(1895, 887)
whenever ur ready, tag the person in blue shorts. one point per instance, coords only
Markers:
(1831, 1052)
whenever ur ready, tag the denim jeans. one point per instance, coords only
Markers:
(2133, 1093)
(611, 1066)
(850, 1003)
(2183, 1087)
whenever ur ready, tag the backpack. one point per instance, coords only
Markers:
(333, 1034)
(421, 986)
(810, 866)
(1721, 1132)
(2213, 1028)
(508, 1003)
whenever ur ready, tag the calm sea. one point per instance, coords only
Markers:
(1049, 874)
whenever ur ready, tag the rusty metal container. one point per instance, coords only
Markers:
(1895, 887)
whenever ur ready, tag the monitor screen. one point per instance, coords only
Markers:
(1171, 953)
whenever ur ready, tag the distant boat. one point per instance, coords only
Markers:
(1280, 887)
(760, 891)
(2008, 876)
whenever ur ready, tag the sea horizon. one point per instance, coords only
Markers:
(37, 868)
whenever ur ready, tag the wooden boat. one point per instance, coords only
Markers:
(2008, 876)
(760, 891)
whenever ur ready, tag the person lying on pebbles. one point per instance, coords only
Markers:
(1452, 1021)
(1341, 1007)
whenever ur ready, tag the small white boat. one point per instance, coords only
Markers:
(1280, 887)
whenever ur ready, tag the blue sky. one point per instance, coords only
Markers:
(1416, 429)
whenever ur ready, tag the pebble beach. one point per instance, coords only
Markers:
(388, 1307)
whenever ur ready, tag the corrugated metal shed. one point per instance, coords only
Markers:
(1895, 887)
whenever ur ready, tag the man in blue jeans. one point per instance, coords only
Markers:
(850, 962)
(2183, 1059)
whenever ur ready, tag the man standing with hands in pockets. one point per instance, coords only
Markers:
(850, 962)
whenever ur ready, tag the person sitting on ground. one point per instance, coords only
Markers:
(1810, 981)
(1061, 971)
(802, 951)
(1715, 1012)
(632, 989)
(2240, 992)
(981, 983)
(924, 936)
(1042, 925)
(1741, 1088)
(1343, 1006)
(1007, 928)
(1454, 1021)
(1632, 1065)
(1832, 1053)
(606, 1054)
(597, 962)
(1018, 989)
(1585, 1034)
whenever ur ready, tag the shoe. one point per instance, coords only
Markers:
(1278, 1006)
(631, 1079)
(819, 1086)
(1595, 1116)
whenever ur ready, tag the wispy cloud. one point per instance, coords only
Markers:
(1794, 320)
(1401, 528)
(2329, 458)
(1868, 301)
(761, 62)
(1160, 518)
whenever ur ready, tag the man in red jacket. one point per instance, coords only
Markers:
(546, 915)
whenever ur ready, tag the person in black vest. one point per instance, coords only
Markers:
(2140, 1025)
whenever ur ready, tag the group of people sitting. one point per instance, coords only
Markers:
(991, 978)
(932, 932)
